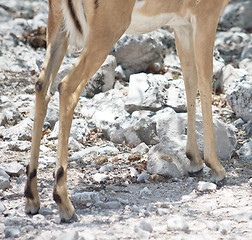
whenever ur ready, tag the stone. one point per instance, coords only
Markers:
(4, 183)
(106, 168)
(144, 226)
(246, 64)
(225, 226)
(143, 177)
(166, 162)
(245, 152)
(101, 160)
(143, 229)
(138, 53)
(133, 172)
(153, 92)
(172, 133)
(86, 198)
(2, 207)
(247, 127)
(237, 14)
(247, 50)
(238, 123)
(228, 76)
(100, 177)
(134, 157)
(79, 130)
(99, 151)
(4, 174)
(119, 73)
(239, 97)
(13, 168)
(69, 235)
(52, 115)
(45, 211)
(12, 232)
(231, 43)
(103, 80)
(20, 146)
(3, 119)
(74, 145)
(109, 205)
(142, 148)
(250, 182)
(177, 223)
(21, 131)
(206, 186)
(145, 193)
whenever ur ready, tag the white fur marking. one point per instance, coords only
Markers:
(75, 38)
(141, 24)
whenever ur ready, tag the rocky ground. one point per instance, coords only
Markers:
(116, 192)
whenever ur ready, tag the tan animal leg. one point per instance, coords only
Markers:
(101, 39)
(205, 28)
(56, 49)
(185, 48)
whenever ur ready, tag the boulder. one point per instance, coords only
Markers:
(103, 79)
(139, 53)
(22, 131)
(154, 92)
(79, 130)
(166, 162)
(237, 14)
(172, 132)
(239, 97)
(245, 152)
(228, 76)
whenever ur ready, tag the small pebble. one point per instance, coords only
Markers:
(250, 182)
(145, 193)
(100, 160)
(206, 186)
(143, 230)
(225, 226)
(70, 235)
(177, 223)
(11, 232)
(134, 157)
(4, 183)
(133, 172)
(106, 168)
(143, 177)
(156, 178)
(141, 148)
(2, 207)
(100, 177)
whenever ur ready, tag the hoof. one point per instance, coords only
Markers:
(32, 208)
(196, 174)
(221, 183)
(74, 218)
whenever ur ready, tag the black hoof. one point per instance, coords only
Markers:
(221, 183)
(71, 220)
(32, 213)
(196, 174)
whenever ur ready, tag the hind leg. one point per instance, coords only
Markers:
(57, 45)
(184, 43)
(204, 43)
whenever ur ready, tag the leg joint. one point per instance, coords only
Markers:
(59, 174)
(56, 196)
(28, 192)
(39, 85)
